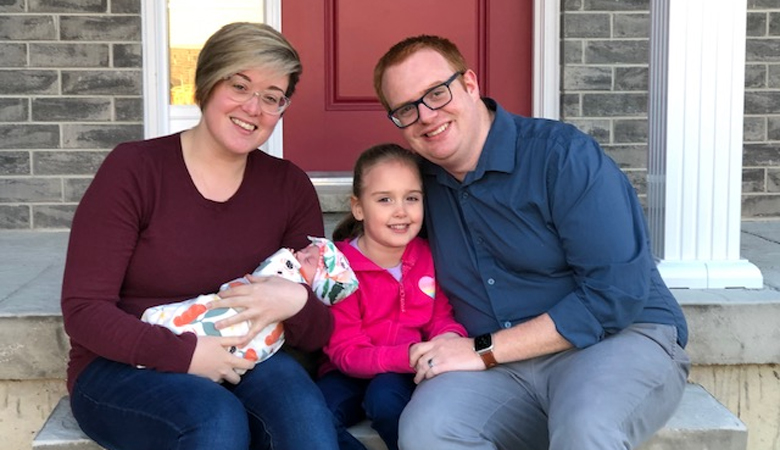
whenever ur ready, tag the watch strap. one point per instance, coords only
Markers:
(488, 359)
(483, 345)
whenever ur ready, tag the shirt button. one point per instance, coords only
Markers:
(507, 324)
(491, 281)
(464, 195)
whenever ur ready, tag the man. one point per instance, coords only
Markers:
(541, 245)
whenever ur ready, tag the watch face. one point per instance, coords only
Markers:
(483, 342)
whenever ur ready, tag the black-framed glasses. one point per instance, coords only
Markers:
(434, 98)
(271, 101)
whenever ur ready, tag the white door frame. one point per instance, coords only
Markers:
(161, 119)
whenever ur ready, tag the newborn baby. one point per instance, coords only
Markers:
(320, 265)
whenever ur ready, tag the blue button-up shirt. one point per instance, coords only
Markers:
(546, 222)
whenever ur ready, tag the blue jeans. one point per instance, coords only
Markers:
(276, 405)
(381, 399)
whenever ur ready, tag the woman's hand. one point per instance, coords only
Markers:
(212, 359)
(264, 301)
(443, 353)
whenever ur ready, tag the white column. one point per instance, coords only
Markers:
(547, 61)
(697, 67)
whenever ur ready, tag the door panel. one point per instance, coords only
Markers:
(335, 114)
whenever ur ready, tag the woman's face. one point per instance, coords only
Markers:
(240, 127)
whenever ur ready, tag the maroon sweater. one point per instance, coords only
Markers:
(143, 236)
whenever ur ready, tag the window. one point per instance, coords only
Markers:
(190, 23)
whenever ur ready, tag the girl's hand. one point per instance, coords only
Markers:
(212, 359)
(264, 301)
(444, 353)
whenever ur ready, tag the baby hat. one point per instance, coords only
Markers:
(334, 279)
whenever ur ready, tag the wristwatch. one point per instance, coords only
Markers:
(483, 345)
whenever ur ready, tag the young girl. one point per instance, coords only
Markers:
(398, 304)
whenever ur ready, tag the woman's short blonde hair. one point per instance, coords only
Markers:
(239, 46)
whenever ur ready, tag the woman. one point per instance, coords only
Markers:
(167, 218)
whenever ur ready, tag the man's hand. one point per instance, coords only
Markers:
(444, 353)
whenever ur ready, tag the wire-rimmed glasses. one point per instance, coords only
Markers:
(271, 101)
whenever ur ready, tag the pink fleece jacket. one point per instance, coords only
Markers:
(374, 327)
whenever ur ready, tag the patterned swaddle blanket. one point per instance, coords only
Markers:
(333, 281)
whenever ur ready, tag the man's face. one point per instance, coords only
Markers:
(448, 136)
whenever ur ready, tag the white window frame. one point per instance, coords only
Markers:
(160, 118)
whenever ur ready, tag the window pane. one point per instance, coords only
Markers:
(190, 23)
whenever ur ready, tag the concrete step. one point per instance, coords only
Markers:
(61, 432)
(700, 423)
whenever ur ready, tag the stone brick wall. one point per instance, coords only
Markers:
(604, 85)
(71, 80)
(761, 158)
(70, 90)
(605, 50)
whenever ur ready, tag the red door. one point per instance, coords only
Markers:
(335, 114)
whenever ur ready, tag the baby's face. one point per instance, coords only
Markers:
(309, 257)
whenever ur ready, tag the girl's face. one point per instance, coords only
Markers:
(390, 205)
(240, 127)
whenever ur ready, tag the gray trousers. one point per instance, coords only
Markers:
(612, 395)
